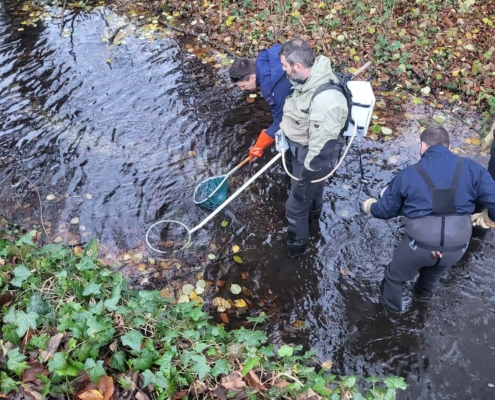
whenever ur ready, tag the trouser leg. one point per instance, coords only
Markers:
(430, 276)
(491, 163)
(405, 264)
(297, 212)
(288, 161)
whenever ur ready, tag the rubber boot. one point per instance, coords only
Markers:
(420, 294)
(296, 247)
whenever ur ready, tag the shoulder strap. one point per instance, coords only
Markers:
(425, 176)
(457, 174)
(331, 85)
(455, 180)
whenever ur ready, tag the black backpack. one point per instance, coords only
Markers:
(340, 86)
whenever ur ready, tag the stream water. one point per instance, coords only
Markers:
(122, 144)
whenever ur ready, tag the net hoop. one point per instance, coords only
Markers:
(162, 222)
(211, 194)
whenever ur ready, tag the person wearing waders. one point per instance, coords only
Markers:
(314, 117)
(267, 73)
(437, 197)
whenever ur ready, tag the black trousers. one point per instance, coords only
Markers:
(296, 211)
(406, 264)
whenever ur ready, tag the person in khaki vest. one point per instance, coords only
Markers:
(313, 127)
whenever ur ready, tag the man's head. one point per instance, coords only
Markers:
(243, 73)
(434, 136)
(297, 58)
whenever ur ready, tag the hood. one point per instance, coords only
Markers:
(321, 72)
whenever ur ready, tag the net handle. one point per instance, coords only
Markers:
(237, 193)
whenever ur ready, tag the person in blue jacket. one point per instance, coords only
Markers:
(437, 197)
(267, 73)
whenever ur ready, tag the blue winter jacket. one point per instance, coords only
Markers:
(274, 83)
(409, 195)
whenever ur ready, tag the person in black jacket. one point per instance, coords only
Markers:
(267, 73)
(437, 196)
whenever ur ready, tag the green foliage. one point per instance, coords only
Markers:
(172, 345)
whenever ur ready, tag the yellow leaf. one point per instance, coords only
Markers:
(321, 5)
(353, 51)
(142, 267)
(371, 29)
(239, 303)
(294, 368)
(238, 259)
(193, 295)
(327, 364)
(235, 248)
(295, 14)
(476, 142)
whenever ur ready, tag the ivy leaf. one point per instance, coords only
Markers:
(200, 366)
(58, 362)
(349, 381)
(395, 382)
(16, 361)
(7, 384)
(221, 367)
(250, 364)
(133, 339)
(10, 335)
(39, 342)
(117, 361)
(286, 351)
(92, 288)
(25, 321)
(21, 273)
(10, 317)
(267, 351)
(251, 338)
(85, 264)
(144, 361)
(38, 305)
(95, 370)
(257, 320)
(111, 304)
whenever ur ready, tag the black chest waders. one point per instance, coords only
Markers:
(444, 230)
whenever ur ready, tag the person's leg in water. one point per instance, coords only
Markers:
(298, 212)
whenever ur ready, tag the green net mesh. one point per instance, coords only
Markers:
(211, 192)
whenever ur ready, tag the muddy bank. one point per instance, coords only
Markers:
(122, 144)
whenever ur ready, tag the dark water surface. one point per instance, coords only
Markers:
(123, 145)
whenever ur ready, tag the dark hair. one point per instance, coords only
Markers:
(241, 69)
(298, 51)
(435, 135)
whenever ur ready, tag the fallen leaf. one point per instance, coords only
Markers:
(244, 275)
(78, 250)
(32, 393)
(309, 395)
(187, 289)
(50, 197)
(235, 288)
(199, 290)
(35, 368)
(142, 267)
(235, 248)
(52, 347)
(233, 381)
(426, 90)
(238, 259)
(92, 395)
(224, 317)
(105, 386)
(239, 303)
(6, 299)
(141, 396)
(183, 299)
(114, 345)
(476, 142)
(386, 131)
(345, 271)
(280, 383)
(74, 221)
(89, 196)
(212, 256)
(253, 380)
(327, 364)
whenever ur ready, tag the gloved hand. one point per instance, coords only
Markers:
(485, 221)
(477, 220)
(261, 144)
(367, 205)
(487, 141)
(301, 186)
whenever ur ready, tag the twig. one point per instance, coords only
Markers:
(63, 13)
(188, 33)
(134, 380)
(112, 38)
(41, 205)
